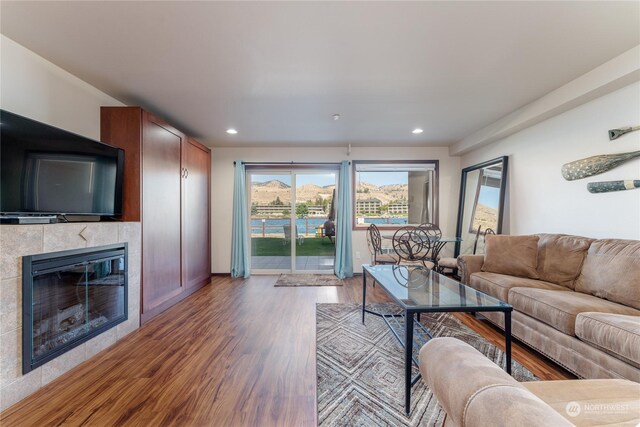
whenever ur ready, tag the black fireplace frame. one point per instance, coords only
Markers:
(55, 260)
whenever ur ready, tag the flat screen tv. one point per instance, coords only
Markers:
(46, 170)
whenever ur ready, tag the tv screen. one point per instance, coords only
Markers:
(46, 170)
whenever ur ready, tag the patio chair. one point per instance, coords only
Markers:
(287, 235)
(431, 229)
(374, 242)
(413, 246)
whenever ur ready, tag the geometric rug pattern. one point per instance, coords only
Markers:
(308, 280)
(360, 368)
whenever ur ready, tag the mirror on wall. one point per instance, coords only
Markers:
(482, 192)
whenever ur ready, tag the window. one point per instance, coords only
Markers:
(395, 193)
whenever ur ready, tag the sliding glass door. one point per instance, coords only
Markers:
(291, 221)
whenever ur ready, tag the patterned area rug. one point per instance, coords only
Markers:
(360, 368)
(308, 280)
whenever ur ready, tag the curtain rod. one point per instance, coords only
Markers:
(289, 163)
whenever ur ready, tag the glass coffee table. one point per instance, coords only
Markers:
(417, 289)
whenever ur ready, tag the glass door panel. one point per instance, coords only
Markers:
(315, 217)
(271, 232)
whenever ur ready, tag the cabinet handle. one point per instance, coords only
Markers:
(186, 173)
(183, 172)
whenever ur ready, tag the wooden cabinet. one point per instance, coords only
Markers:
(167, 188)
(196, 253)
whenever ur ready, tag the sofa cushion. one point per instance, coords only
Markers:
(560, 258)
(616, 334)
(611, 270)
(612, 401)
(498, 285)
(559, 309)
(512, 255)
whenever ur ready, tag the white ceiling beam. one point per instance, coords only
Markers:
(610, 76)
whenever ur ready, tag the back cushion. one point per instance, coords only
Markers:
(560, 258)
(512, 255)
(611, 270)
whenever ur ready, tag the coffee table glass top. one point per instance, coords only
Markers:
(417, 287)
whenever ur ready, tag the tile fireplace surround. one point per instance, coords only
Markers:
(19, 240)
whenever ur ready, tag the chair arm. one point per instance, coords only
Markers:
(476, 392)
(469, 264)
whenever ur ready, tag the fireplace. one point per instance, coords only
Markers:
(70, 297)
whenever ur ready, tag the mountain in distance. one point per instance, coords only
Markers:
(274, 183)
(263, 193)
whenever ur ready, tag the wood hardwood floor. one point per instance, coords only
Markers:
(235, 353)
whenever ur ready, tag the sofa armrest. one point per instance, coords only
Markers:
(476, 392)
(469, 264)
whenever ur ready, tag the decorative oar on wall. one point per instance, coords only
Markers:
(608, 186)
(617, 133)
(595, 165)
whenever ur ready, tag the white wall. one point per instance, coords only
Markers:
(222, 187)
(540, 200)
(34, 87)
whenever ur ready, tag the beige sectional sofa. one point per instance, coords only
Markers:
(474, 391)
(575, 299)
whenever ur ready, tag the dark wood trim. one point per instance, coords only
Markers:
(436, 190)
(220, 274)
(199, 144)
(122, 127)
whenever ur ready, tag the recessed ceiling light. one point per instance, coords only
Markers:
(417, 131)
(232, 131)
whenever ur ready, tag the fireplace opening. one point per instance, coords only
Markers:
(70, 297)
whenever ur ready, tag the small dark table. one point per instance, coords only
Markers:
(416, 290)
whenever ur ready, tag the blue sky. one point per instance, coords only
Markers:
(317, 179)
(489, 196)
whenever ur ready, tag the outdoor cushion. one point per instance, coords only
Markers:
(448, 262)
(611, 270)
(498, 285)
(615, 334)
(559, 309)
(560, 258)
(386, 259)
(512, 255)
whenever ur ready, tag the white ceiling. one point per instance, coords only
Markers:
(278, 71)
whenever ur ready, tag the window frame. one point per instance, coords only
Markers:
(436, 189)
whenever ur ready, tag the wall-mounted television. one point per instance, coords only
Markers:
(50, 171)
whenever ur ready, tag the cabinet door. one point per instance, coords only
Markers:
(161, 187)
(196, 264)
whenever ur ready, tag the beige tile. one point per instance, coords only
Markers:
(15, 242)
(130, 232)
(10, 356)
(97, 344)
(133, 323)
(62, 237)
(21, 388)
(61, 364)
(10, 304)
(101, 233)
(134, 267)
(134, 298)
